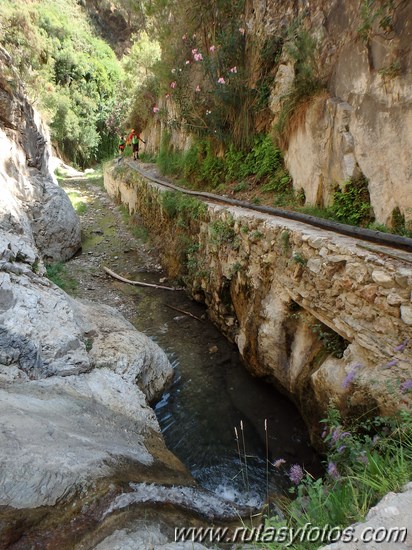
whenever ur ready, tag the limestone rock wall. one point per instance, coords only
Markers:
(362, 121)
(31, 202)
(320, 315)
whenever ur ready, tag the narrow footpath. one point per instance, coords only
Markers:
(107, 240)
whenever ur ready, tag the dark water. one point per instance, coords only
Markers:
(212, 394)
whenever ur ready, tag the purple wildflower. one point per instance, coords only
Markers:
(341, 448)
(391, 364)
(350, 377)
(296, 474)
(336, 434)
(278, 463)
(406, 386)
(333, 470)
(402, 346)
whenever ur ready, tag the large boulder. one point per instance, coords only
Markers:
(31, 202)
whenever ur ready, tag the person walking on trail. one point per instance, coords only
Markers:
(134, 139)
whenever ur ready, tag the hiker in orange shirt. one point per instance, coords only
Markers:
(133, 139)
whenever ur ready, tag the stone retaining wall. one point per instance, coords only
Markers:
(319, 314)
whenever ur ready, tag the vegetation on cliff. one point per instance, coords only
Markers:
(71, 74)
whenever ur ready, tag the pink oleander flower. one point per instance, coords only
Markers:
(173, 84)
(212, 49)
(242, 30)
(197, 89)
(233, 69)
(198, 57)
(155, 109)
(221, 80)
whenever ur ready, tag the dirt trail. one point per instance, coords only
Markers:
(107, 239)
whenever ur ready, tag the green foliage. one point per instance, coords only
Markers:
(298, 258)
(285, 241)
(57, 273)
(376, 16)
(71, 73)
(222, 232)
(331, 340)
(77, 202)
(183, 207)
(392, 70)
(365, 460)
(203, 69)
(241, 186)
(351, 205)
(301, 47)
(201, 165)
(398, 223)
(317, 211)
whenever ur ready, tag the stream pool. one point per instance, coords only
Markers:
(212, 394)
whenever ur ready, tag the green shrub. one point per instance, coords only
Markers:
(183, 207)
(222, 231)
(351, 205)
(57, 273)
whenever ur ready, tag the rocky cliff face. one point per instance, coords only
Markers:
(361, 121)
(32, 205)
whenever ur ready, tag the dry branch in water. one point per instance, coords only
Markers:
(137, 283)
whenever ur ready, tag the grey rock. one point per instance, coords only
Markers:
(59, 435)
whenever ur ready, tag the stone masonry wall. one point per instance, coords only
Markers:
(293, 298)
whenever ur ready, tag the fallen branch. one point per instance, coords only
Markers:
(138, 283)
(185, 312)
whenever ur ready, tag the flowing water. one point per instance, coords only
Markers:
(212, 394)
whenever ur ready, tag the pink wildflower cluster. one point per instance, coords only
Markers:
(173, 84)
(233, 70)
(155, 109)
(221, 80)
